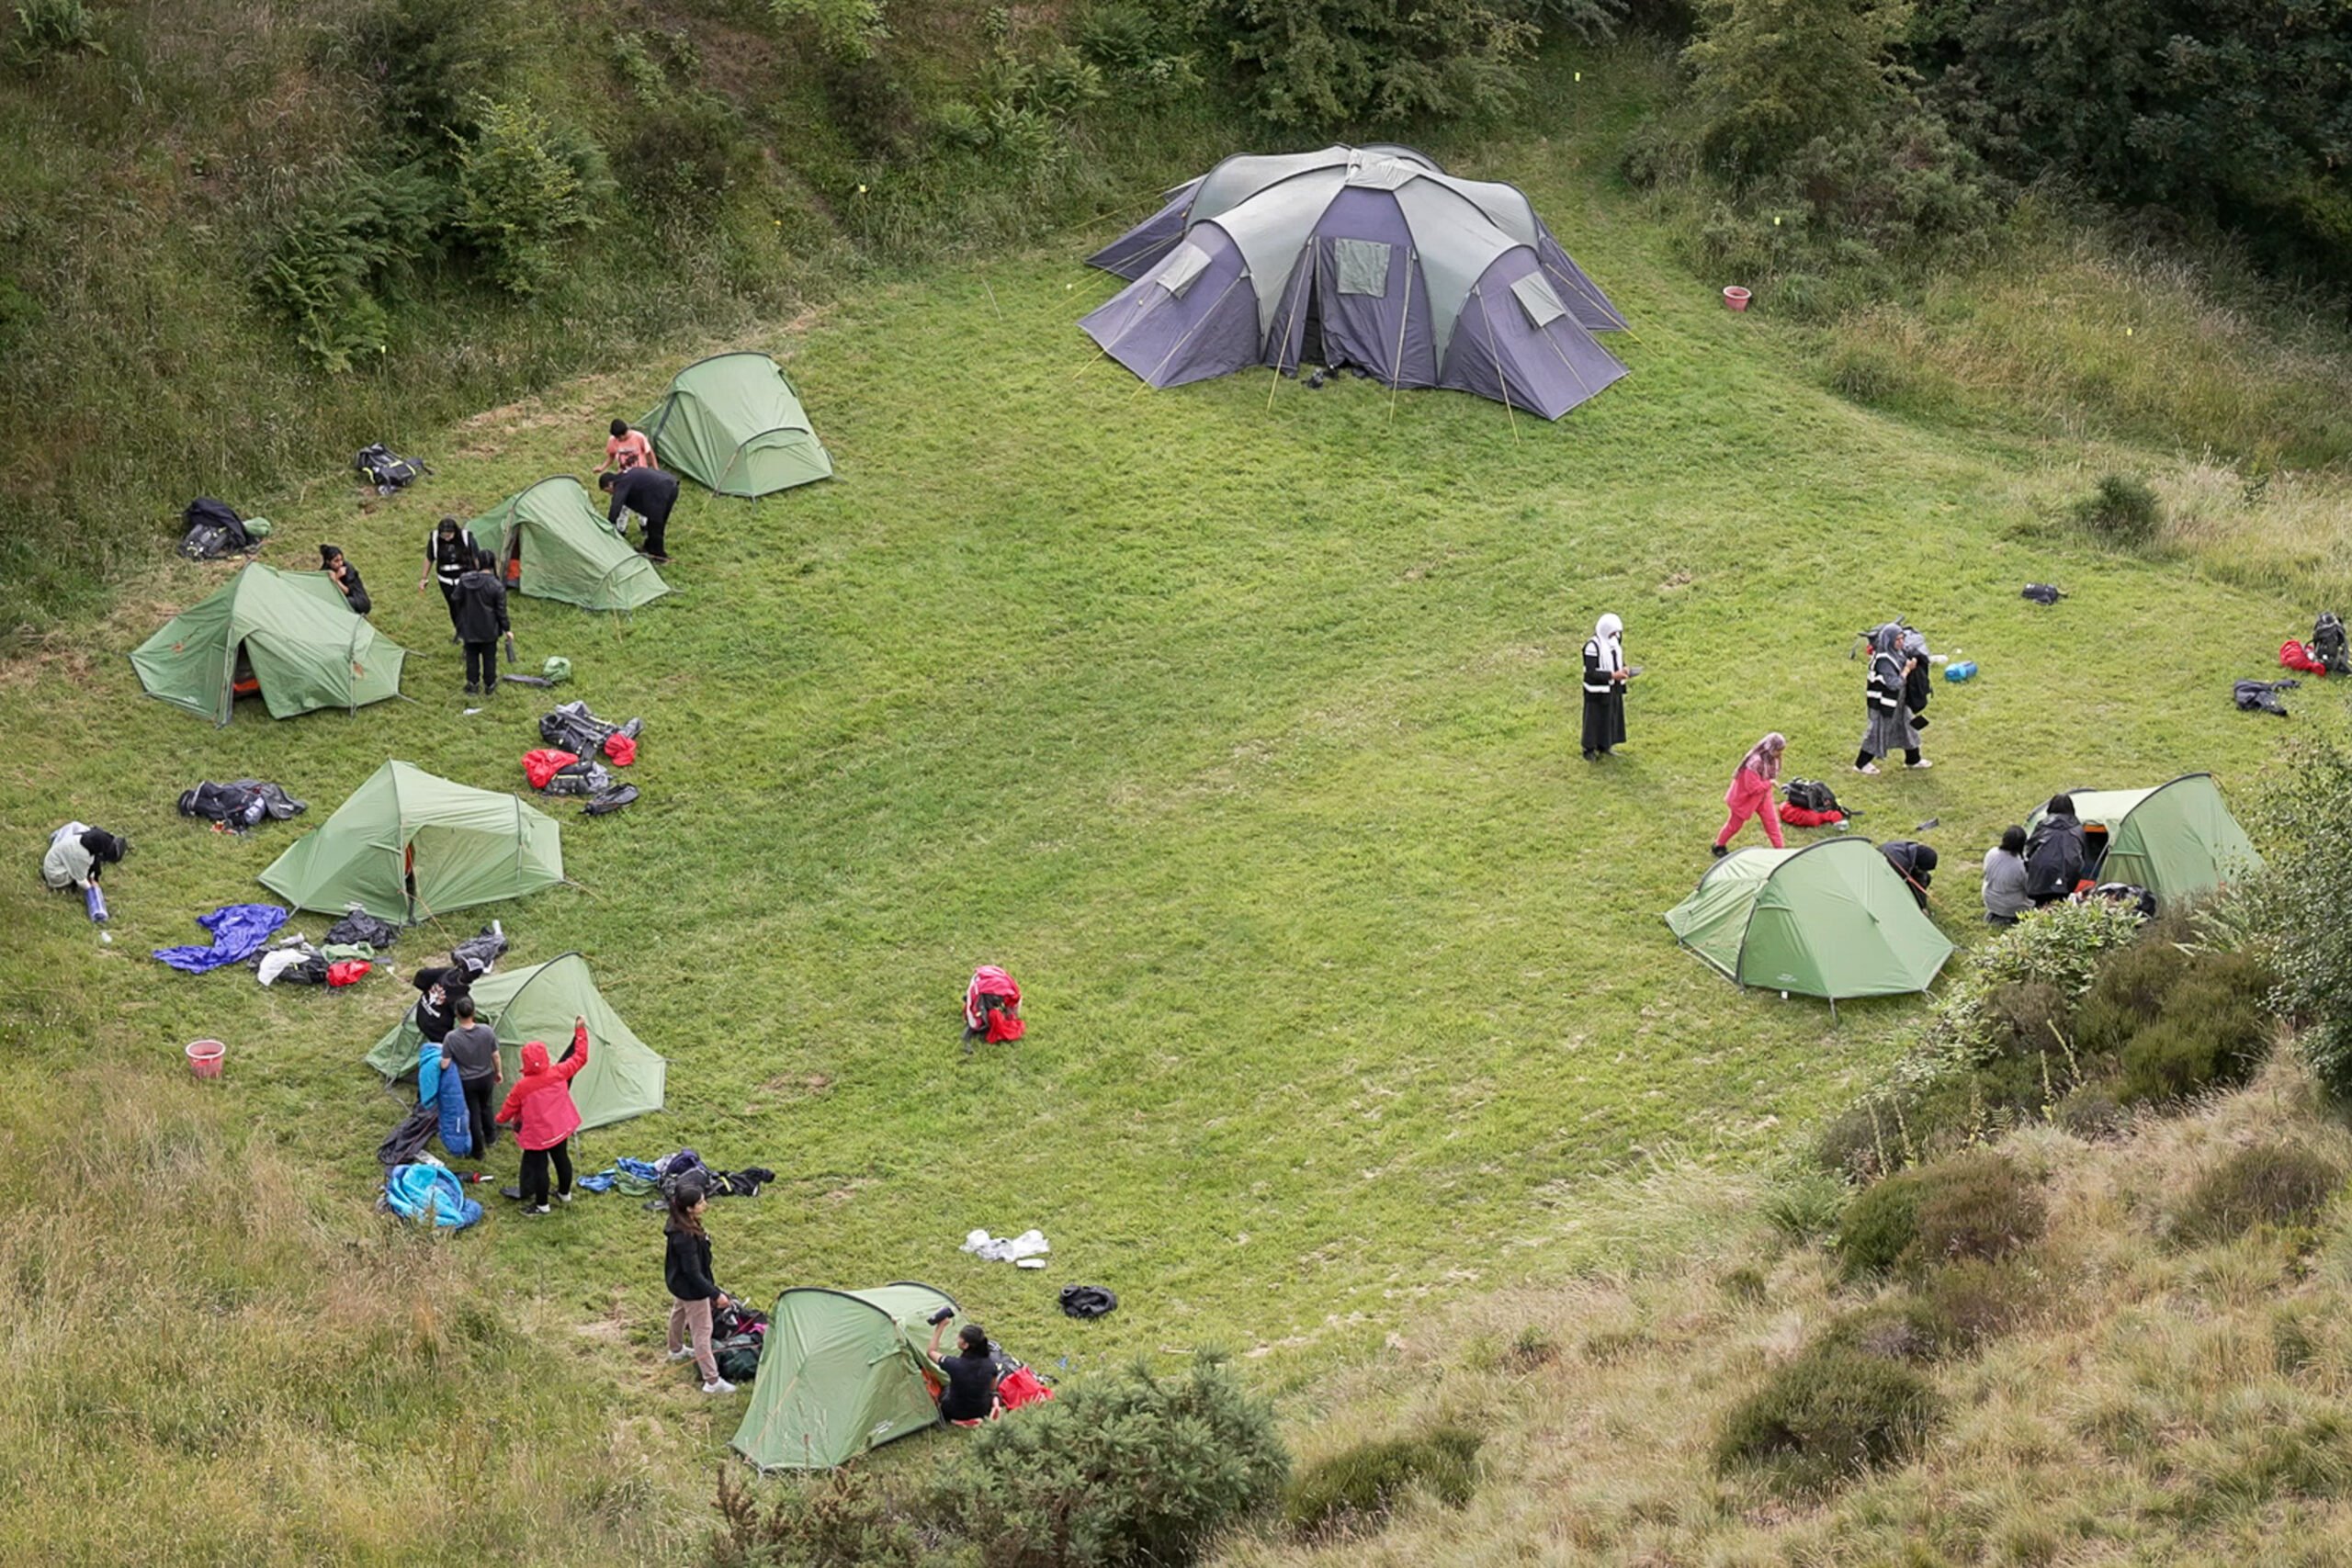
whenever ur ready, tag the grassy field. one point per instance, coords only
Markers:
(1239, 722)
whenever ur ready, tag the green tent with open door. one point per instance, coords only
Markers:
(734, 423)
(407, 846)
(555, 545)
(624, 1078)
(1831, 920)
(842, 1372)
(290, 632)
(2177, 841)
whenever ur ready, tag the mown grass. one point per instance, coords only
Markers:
(1239, 722)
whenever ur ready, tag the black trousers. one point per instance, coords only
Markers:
(479, 1113)
(535, 1173)
(482, 656)
(449, 601)
(656, 524)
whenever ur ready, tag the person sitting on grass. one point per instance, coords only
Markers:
(540, 1107)
(968, 1392)
(78, 854)
(1914, 863)
(2004, 895)
(694, 1295)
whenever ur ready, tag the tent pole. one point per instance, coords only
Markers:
(1397, 364)
(1289, 316)
(1501, 385)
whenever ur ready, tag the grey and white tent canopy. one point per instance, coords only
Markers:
(1372, 257)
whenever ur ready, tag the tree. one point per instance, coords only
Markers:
(1335, 63)
(1774, 75)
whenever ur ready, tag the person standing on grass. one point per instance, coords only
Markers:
(626, 449)
(471, 1049)
(1890, 722)
(440, 991)
(345, 576)
(480, 611)
(540, 1106)
(1751, 794)
(694, 1294)
(1604, 688)
(2004, 895)
(450, 554)
(648, 492)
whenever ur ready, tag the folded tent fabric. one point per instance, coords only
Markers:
(239, 930)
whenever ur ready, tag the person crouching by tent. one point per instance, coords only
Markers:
(649, 493)
(2055, 853)
(77, 856)
(2004, 879)
(479, 611)
(626, 449)
(694, 1295)
(1751, 794)
(1604, 688)
(967, 1380)
(1914, 863)
(540, 1107)
(449, 552)
(345, 576)
(1890, 722)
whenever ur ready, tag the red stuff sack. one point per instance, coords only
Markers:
(542, 765)
(344, 971)
(2293, 655)
(1021, 1386)
(1798, 817)
(621, 748)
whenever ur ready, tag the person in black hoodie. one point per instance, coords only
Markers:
(448, 552)
(1914, 863)
(2055, 854)
(685, 1269)
(345, 576)
(436, 1005)
(649, 493)
(479, 611)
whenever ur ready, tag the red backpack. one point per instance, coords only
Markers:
(992, 1005)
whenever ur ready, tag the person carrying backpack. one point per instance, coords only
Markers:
(694, 1295)
(1751, 794)
(1604, 688)
(449, 552)
(539, 1106)
(479, 611)
(2055, 853)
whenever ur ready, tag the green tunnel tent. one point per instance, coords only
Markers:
(2177, 840)
(624, 1078)
(289, 632)
(558, 546)
(406, 846)
(842, 1372)
(733, 423)
(1832, 920)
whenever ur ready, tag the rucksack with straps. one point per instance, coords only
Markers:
(386, 470)
(2329, 643)
(1811, 794)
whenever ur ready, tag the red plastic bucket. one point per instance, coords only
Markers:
(204, 1058)
(1736, 296)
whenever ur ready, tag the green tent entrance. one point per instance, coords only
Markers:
(2177, 841)
(734, 424)
(842, 1372)
(557, 544)
(290, 632)
(406, 846)
(624, 1078)
(1831, 920)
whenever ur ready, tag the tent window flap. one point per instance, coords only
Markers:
(1184, 264)
(1362, 266)
(1535, 297)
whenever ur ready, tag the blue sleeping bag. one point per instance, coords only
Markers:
(446, 1092)
(416, 1190)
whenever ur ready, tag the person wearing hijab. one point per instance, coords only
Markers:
(78, 855)
(1890, 722)
(448, 554)
(1751, 793)
(1604, 688)
(1914, 863)
(345, 576)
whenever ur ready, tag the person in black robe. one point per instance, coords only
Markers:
(1604, 689)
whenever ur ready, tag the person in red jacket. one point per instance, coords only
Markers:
(1751, 792)
(540, 1103)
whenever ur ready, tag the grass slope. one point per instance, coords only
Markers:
(1242, 728)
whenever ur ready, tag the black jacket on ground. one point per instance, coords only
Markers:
(685, 1266)
(480, 610)
(649, 493)
(2053, 859)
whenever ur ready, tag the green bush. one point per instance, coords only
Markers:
(2121, 511)
(1147, 49)
(2214, 1030)
(1974, 1300)
(1828, 1417)
(1126, 1468)
(844, 1520)
(1978, 1206)
(1881, 1225)
(1772, 75)
(1319, 62)
(431, 61)
(47, 29)
(1804, 1207)
(848, 30)
(2306, 823)
(2269, 1184)
(326, 271)
(1363, 1482)
(1868, 373)
(525, 184)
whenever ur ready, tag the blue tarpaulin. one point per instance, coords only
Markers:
(238, 933)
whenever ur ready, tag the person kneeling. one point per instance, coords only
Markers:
(967, 1396)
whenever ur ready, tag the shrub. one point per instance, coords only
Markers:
(47, 29)
(2215, 1029)
(1974, 1300)
(1772, 75)
(2306, 820)
(1805, 1207)
(1880, 1225)
(1365, 1482)
(325, 271)
(2092, 1113)
(1127, 1468)
(1867, 373)
(1900, 1329)
(849, 29)
(1978, 1206)
(523, 185)
(431, 61)
(2130, 991)
(844, 1520)
(1311, 63)
(1829, 1416)
(2122, 512)
(2269, 1184)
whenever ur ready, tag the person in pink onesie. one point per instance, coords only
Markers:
(1751, 792)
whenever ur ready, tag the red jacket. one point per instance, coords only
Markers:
(541, 1098)
(1750, 793)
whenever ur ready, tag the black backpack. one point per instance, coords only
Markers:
(2329, 645)
(1811, 794)
(387, 471)
(214, 530)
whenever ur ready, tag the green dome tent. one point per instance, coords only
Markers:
(2177, 841)
(407, 846)
(842, 1372)
(733, 423)
(567, 549)
(1831, 920)
(624, 1077)
(293, 632)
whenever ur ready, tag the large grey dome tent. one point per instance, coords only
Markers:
(1372, 257)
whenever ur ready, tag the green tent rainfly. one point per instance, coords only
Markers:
(1831, 920)
(407, 846)
(733, 423)
(290, 631)
(842, 1372)
(2177, 841)
(567, 549)
(624, 1078)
